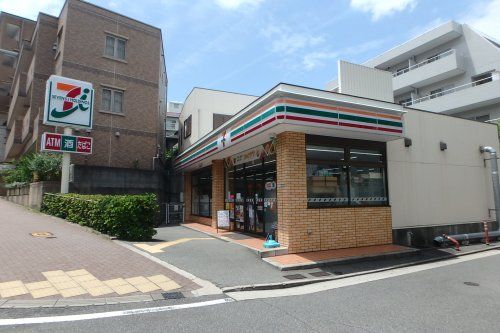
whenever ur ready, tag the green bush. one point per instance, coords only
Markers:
(128, 217)
(44, 166)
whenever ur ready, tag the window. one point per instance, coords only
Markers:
(112, 100)
(436, 93)
(187, 127)
(343, 172)
(115, 47)
(13, 31)
(8, 60)
(482, 79)
(201, 192)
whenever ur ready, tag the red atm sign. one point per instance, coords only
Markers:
(54, 142)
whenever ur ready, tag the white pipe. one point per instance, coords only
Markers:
(494, 175)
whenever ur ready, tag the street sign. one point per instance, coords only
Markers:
(62, 143)
(68, 102)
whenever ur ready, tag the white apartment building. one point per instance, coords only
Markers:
(451, 69)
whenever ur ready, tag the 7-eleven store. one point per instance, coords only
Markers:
(307, 163)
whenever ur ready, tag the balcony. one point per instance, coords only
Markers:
(466, 97)
(20, 100)
(440, 67)
(14, 143)
(27, 126)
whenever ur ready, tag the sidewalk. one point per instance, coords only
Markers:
(47, 258)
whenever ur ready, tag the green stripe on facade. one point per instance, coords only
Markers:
(255, 120)
(357, 118)
(187, 159)
(326, 114)
(390, 123)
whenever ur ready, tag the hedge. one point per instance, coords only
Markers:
(128, 217)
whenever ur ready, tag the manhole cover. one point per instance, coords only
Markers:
(294, 276)
(43, 234)
(320, 274)
(472, 284)
(174, 295)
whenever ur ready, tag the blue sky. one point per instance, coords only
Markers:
(248, 46)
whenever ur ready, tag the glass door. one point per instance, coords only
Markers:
(239, 198)
(270, 202)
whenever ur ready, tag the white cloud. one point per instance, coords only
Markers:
(235, 4)
(30, 8)
(314, 60)
(380, 8)
(485, 17)
(287, 42)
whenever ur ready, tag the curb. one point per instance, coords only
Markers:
(70, 302)
(347, 260)
(291, 284)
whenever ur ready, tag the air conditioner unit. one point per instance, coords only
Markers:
(171, 125)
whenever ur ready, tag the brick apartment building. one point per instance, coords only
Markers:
(121, 57)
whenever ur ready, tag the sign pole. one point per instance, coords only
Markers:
(66, 161)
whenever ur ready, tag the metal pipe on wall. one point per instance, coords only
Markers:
(494, 175)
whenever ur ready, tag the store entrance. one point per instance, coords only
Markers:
(251, 195)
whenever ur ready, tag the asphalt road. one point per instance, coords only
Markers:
(435, 299)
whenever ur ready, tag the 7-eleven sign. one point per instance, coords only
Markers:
(68, 102)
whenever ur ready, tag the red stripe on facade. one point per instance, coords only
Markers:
(311, 120)
(358, 126)
(198, 157)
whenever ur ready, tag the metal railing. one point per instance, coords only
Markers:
(448, 91)
(423, 63)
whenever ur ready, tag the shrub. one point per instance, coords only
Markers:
(44, 166)
(128, 217)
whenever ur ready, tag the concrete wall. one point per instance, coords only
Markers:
(364, 81)
(429, 187)
(201, 104)
(31, 195)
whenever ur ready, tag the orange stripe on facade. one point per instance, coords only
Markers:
(263, 108)
(65, 86)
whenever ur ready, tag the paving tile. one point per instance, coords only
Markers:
(73, 292)
(4, 293)
(45, 292)
(146, 287)
(54, 273)
(158, 278)
(38, 285)
(124, 289)
(83, 278)
(11, 284)
(78, 272)
(137, 280)
(92, 284)
(116, 282)
(65, 285)
(169, 285)
(59, 279)
(99, 291)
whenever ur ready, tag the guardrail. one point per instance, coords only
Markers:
(423, 63)
(448, 91)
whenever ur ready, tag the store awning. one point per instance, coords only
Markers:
(299, 109)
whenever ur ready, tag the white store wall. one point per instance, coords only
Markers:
(430, 187)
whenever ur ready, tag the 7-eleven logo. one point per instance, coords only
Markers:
(76, 98)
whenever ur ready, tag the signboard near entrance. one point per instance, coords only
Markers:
(222, 219)
(55, 142)
(68, 102)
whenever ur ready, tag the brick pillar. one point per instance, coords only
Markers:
(187, 196)
(292, 188)
(217, 189)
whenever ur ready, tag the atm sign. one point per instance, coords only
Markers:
(54, 142)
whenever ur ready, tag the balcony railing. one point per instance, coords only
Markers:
(423, 63)
(448, 91)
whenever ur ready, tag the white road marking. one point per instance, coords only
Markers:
(334, 284)
(99, 315)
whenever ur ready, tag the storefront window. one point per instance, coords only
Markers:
(201, 187)
(343, 172)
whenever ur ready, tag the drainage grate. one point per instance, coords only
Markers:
(294, 276)
(320, 274)
(174, 295)
(338, 273)
(43, 234)
(472, 284)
